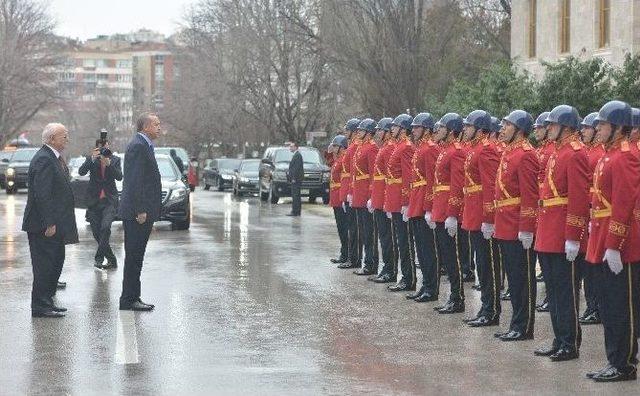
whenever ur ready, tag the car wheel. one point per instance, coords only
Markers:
(325, 199)
(11, 190)
(312, 199)
(273, 197)
(182, 225)
(264, 196)
(220, 184)
(207, 187)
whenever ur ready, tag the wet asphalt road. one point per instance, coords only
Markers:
(246, 301)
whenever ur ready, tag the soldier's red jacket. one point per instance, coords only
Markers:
(456, 195)
(516, 191)
(419, 178)
(398, 175)
(544, 153)
(563, 213)
(449, 161)
(345, 188)
(335, 199)
(615, 184)
(362, 172)
(430, 159)
(379, 184)
(480, 169)
(594, 153)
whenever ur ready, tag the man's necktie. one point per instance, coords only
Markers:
(63, 165)
(102, 168)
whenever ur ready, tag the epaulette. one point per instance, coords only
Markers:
(624, 146)
(526, 146)
(457, 145)
(576, 145)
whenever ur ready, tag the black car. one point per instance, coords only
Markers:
(17, 173)
(5, 158)
(246, 178)
(274, 182)
(220, 173)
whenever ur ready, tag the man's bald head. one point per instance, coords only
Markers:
(55, 135)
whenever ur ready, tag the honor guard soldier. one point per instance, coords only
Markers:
(489, 229)
(515, 221)
(595, 151)
(634, 136)
(355, 248)
(362, 172)
(336, 148)
(450, 158)
(613, 242)
(480, 168)
(562, 224)
(396, 200)
(423, 162)
(375, 204)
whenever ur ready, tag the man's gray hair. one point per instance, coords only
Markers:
(49, 131)
(143, 120)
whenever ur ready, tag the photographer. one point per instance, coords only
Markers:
(102, 197)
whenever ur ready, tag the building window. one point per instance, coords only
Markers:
(533, 8)
(565, 26)
(123, 64)
(605, 12)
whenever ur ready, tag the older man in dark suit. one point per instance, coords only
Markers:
(139, 207)
(49, 219)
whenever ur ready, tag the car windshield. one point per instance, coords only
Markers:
(250, 166)
(23, 155)
(229, 164)
(182, 153)
(308, 156)
(168, 169)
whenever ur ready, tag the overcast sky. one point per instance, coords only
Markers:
(88, 18)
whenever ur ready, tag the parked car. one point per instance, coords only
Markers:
(189, 169)
(5, 158)
(246, 178)
(220, 173)
(17, 173)
(78, 183)
(273, 171)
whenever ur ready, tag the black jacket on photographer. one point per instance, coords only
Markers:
(98, 182)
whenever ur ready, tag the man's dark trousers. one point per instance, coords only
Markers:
(404, 238)
(136, 237)
(488, 265)
(296, 205)
(521, 275)
(426, 252)
(367, 238)
(587, 273)
(463, 247)
(449, 256)
(47, 259)
(561, 280)
(355, 247)
(387, 244)
(100, 217)
(342, 224)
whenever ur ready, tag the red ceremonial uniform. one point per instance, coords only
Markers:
(430, 159)
(451, 158)
(398, 175)
(362, 172)
(480, 169)
(379, 184)
(421, 173)
(456, 195)
(615, 184)
(564, 198)
(544, 153)
(516, 191)
(345, 188)
(334, 185)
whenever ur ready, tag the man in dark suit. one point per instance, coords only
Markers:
(296, 174)
(102, 199)
(139, 207)
(49, 219)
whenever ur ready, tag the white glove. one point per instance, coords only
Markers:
(526, 238)
(404, 211)
(487, 230)
(613, 259)
(369, 206)
(427, 218)
(389, 215)
(350, 198)
(589, 228)
(451, 224)
(344, 207)
(571, 248)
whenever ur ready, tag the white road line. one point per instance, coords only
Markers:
(126, 339)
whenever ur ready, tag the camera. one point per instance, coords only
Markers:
(104, 151)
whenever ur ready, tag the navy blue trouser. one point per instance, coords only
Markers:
(488, 266)
(520, 267)
(425, 242)
(387, 244)
(448, 253)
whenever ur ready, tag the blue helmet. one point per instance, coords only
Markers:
(423, 120)
(403, 121)
(635, 117)
(541, 120)
(495, 124)
(368, 125)
(589, 120)
(615, 112)
(352, 124)
(385, 124)
(564, 115)
(479, 119)
(340, 141)
(521, 119)
(453, 122)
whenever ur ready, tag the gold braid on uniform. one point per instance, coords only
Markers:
(576, 221)
(618, 229)
(528, 212)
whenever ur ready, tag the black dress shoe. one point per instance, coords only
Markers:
(413, 296)
(136, 306)
(592, 374)
(516, 336)
(58, 309)
(293, 214)
(348, 265)
(545, 351)
(110, 265)
(564, 354)
(499, 334)
(338, 260)
(384, 279)
(612, 374)
(483, 321)
(452, 307)
(425, 297)
(505, 295)
(363, 271)
(98, 264)
(591, 319)
(144, 303)
(543, 306)
(61, 285)
(398, 287)
(47, 314)
(468, 277)
(467, 320)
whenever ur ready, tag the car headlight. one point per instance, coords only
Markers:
(244, 180)
(326, 175)
(280, 175)
(226, 177)
(177, 194)
(11, 171)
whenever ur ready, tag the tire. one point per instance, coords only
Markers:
(182, 225)
(220, 184)
(192, 187)
(207, 187)
(264, 196)
(312, 199)
(273, 197)
(325, 199)
(10, 190)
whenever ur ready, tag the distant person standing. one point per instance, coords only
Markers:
(296, 174)
(177, 160)
(49, 219)
(139, 207)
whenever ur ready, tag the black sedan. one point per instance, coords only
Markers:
(17, 172)
(220, 173)
(246, 178)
